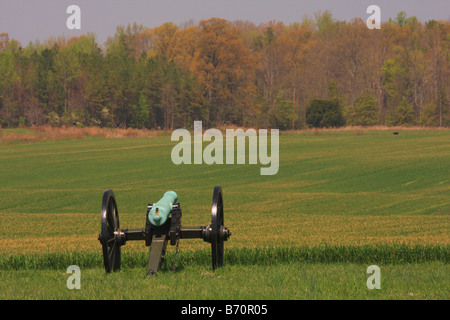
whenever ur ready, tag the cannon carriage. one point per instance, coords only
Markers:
(163, 226)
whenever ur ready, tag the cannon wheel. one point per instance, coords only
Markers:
(216, 224)
(110, 225)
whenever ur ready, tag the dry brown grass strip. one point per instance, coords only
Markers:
(44, 133)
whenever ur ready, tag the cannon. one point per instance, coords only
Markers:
(162, 226)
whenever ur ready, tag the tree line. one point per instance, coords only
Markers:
(317, 72)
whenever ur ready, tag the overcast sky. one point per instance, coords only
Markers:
(29, 20)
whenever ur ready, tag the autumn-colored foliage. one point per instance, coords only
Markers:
(231, 73)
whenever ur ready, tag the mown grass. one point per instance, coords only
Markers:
(374, 174)
(286, 281)
(39, 233)
(340, 197)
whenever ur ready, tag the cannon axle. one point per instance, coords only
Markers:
(204, 232)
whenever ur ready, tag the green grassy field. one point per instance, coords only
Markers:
(341, 201)
(272, 282)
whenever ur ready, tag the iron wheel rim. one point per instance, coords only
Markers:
(109, 226)
(217, 222)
